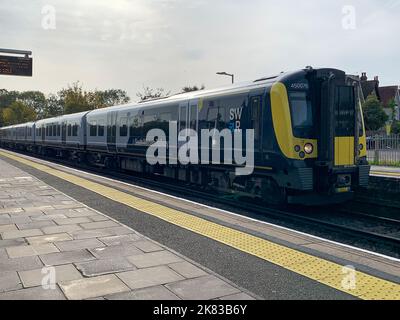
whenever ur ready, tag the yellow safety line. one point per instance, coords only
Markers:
(321, 270)
(386, 173)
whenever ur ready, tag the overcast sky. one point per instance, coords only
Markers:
(172, 43)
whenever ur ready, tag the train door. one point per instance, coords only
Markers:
(112, 131)
(256, 116)
(183, 121)
(43, 129)
(193, 115)
(345, 129)
(64, 133)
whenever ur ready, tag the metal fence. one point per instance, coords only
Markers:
(384, 150)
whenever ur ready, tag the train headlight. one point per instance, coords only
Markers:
(308, 148)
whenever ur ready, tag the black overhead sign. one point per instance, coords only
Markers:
(16, 66)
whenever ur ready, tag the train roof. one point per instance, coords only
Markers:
(176, 98)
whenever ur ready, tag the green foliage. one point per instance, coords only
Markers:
(374, 116)
(396, 127)
(18, 112)
(68, 100)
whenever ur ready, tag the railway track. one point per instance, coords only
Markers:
(364, 229)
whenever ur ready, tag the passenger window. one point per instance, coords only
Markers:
(93, 129)
(101, 128)
(75, 130)
(123, 129)
(193, 117)
(54, 130)
(69, 130)
(58, 130)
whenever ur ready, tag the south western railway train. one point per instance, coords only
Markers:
(309, 143)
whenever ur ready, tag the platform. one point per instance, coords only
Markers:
(93, 256)
(116, 240)
(387, 172)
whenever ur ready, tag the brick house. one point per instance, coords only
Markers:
(388, 94)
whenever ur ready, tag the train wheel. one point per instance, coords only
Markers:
(272, 193)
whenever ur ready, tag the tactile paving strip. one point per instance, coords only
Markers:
(321, 270)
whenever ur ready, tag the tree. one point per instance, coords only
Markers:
(108, 98)
(191, 89)
(74, 99)
(53, 108)
(374, 116)
(396, 127)
(18, 112)
(149, 93)
(35, 100)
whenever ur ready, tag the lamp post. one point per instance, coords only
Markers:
(227, 74)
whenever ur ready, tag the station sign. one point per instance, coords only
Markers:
(16, 66)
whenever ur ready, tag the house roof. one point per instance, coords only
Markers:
(388, 93)
(370, 87)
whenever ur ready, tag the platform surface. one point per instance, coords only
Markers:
(99, 243)
(46, 233)
(382, 171)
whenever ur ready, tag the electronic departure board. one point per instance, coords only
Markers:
(16, 66)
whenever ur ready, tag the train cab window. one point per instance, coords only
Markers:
(100, 130)
(75, 130)
(93, 129)
(301, 113)
(123, 129)
(69, 130)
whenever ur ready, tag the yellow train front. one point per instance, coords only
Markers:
(315, 137)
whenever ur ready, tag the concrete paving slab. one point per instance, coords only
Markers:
(9, 281)
(8, 227)
(93, 287)
(67, 221)
(204, 288)
(31, 250)
(12, 243)
(115, 251)
(36, 224)
(21, 234)
(36, 293)
(61, 229)
(148, 246)
(79, 244)
(49, 238)
(121, 240)
(153, 259)
(100, 225)
(104, 266)
(187, 269)
(33, 278)
(20, 264)
(149, 277)
(53, 259)
(153, 293)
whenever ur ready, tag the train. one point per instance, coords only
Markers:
(309, 137)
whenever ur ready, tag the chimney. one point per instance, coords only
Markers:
(376, 79)
(364, 76)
